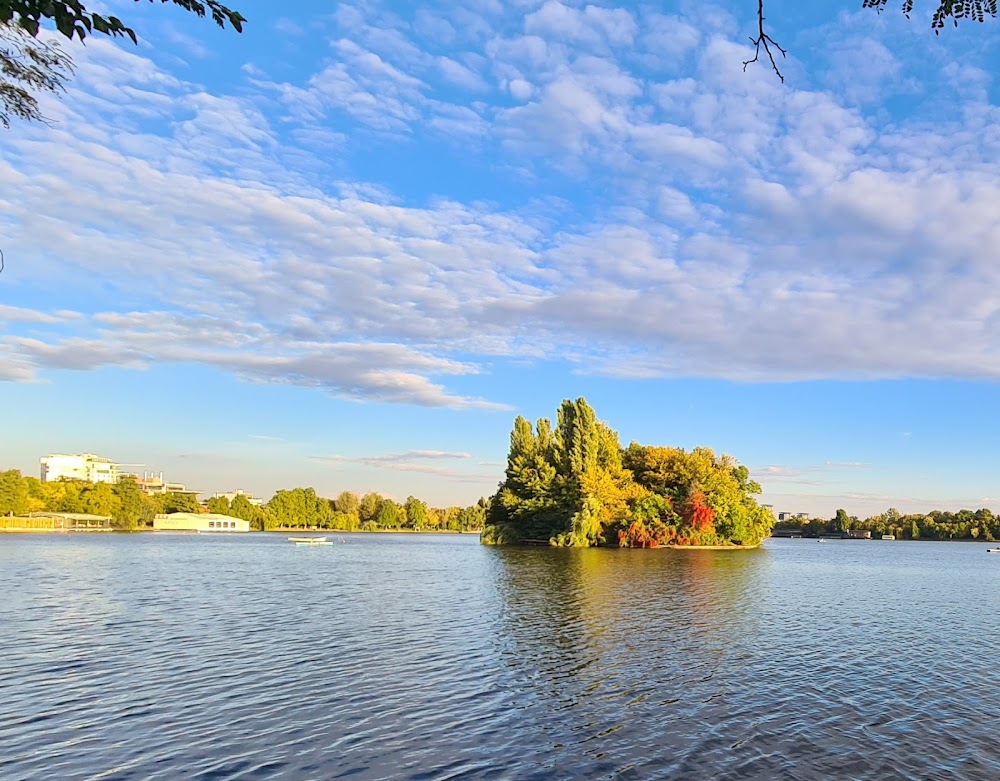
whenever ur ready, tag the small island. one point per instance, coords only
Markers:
(575, 485)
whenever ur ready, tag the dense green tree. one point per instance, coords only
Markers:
(416, 513)
(696, 482)
(842, 522)
(318, 512)
(218, 504)
(451, 518)
(527, 504)
(388, 516)
(347, 502)
(286, 508)
(652, 520)
(129, 512)
(473, 518)
(172, 502)
(592, 485)
(346, 513)
(242, 508)
(368, 508)
(14, 498)
(99, 499)
(575, 486)
(68, 498)
(344, 521)
(433, 518)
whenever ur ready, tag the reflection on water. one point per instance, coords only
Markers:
(431, 657)
(621, 648)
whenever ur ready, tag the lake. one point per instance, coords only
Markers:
(423, 657)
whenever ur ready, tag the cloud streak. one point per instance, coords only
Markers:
(419, 461)
(722, 225)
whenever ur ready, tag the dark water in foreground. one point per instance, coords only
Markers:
(430, 657)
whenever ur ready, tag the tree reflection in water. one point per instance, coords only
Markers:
(601, 644)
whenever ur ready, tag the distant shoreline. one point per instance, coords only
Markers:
(300, 530)
(290, 530)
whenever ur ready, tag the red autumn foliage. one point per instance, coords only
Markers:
(639, 535)
(697, 512)
(636, 536)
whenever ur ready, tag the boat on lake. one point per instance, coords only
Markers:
(312, 543)
(312, 540)
(993, 550)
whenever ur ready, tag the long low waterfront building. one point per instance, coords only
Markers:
(56, 522)
(199, 522)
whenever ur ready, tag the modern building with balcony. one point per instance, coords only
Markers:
(153, 483)
(79, 466)
(230, 495)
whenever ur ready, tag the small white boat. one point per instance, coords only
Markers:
(312, 540)
(312, 543)
(993, 550)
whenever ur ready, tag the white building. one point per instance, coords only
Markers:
(80, 466)
(151, 483)
(199, 522)
(230, 495)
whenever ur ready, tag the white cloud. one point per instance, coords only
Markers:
(722, 224)
(458, 74)
(10, 314)
(591, 26)
(415, 461)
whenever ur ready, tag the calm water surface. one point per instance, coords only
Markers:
(430, 657)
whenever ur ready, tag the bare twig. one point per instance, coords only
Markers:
(767, 41)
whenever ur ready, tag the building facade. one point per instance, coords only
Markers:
(153, 483)
(79, 466)
(199, 522)
(230, 495)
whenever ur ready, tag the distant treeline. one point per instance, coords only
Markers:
(130, 508)
(302, 508)
(937, 525)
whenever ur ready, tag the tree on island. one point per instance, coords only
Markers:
(575, 485)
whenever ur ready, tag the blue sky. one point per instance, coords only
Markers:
(345, 248)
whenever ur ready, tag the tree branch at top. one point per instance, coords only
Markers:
(765, 40)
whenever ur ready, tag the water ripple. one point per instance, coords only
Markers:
(394, 656)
